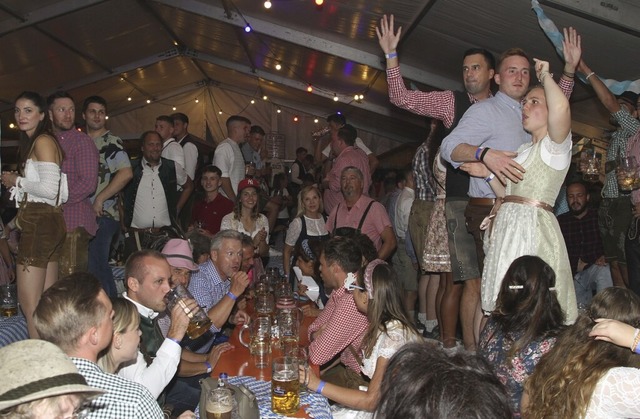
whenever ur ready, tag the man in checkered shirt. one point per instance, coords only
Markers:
(76, 314)
(340, 324)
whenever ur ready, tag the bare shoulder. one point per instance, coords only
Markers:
(45, 148)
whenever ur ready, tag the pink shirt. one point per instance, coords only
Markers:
(350, 156)
(374, 224)
(344, 326)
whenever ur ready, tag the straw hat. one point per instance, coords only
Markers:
(34, 369)
(179, 254)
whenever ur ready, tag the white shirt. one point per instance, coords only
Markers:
(190, 158)
(150, 208)
(160, 372)
(171, 150)
(228, 158)
(403, 209)
(359, 144)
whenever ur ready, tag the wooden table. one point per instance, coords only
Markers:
(238, 362)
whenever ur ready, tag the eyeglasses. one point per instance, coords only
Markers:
(81, 412)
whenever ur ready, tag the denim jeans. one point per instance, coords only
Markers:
(594, 277)
(99, 249)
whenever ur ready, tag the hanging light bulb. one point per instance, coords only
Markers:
(253, 101)
(265, 97)
(129, 98)
(335, 97)
(197, 100)
(295, 118)
(106, 117)
(247, 28)
(319, 2)
(309, 88)
(148, 100)
(12, 125)
(267, 4)
(356, 97)
(360, 96)
(174, 108)
(279, 110)
(219, 112)
(315, 121)
(278, 67)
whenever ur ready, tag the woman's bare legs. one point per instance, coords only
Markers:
(32, 282)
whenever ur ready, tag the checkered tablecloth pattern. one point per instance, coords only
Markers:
(315, 405)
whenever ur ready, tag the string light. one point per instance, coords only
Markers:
(253, 101)
(247, 28)
(295, 118)
(335, 97)
(265, 97)
(279, 110)
(309, 88)
(197, 100)
(278, 67)
(148, 100)
(129, 98)
(319, 2)
(219, 112)
(12, 125)
(174, 108)
(315, 120)
(267, 4)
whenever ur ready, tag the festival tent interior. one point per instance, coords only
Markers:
(288, 66)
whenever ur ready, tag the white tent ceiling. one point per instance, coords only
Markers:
(172, 51)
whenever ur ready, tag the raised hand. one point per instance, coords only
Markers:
(387, 39)
(571, 45)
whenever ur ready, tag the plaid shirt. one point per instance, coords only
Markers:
(618, 148)
(582, 237)
(124, 398)
(343, 325)
(208, 287)
(80, 164)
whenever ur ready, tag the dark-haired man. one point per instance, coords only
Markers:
(340, 325)
(80, 164)
(113, 175)
(207, 213)
(579, 227)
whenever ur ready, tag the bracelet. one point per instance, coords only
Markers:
(320, 387)
(569, 75)
(543, 76)
(391, 55)
(589, 75)
(232, 296)
(636, 341)
(484, 153)
(478, 152)
(209, 368)
(174, 340)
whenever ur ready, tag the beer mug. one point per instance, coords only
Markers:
(220, 404)
(289, 318)
(285, 387)
(264, 305)
(199, 322)
(259, 340)
(627, 173)
(8, 300)
(591, 171)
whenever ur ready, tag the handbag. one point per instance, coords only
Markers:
(245, 399)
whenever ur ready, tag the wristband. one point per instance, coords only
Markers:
(320, 387)
(589, 75)
(484, 153)
(209, 369)
(391, 55)
(232, 296)
(174, 340)
(478, 152)
(636, 341)
(489, 178)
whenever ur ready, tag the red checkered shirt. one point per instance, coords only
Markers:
(80, 164)
(343, 325)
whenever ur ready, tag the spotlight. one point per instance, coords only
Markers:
(247, 28)
(267, 4)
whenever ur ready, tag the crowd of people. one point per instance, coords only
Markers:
(484, 280)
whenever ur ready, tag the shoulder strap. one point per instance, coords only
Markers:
(364, 216)
(167, 144)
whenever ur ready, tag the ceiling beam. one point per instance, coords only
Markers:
(309, 41)
(41, 14)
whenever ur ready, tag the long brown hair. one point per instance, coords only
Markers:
(385, 306)
(563, 382)
(237, 210)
